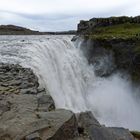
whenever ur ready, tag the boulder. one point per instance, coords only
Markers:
(121, 133)
(24, 109)
(45, 103)
(74, 38)
(95, 131)
(21, 120)
(102, 59)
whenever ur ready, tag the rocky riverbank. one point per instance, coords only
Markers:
(27, 112)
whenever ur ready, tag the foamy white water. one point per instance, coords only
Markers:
(64, 71)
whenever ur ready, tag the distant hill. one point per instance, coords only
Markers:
(17, 30)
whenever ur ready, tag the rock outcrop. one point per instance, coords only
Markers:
(115, 38)
(88, 26)
(27, 112)
(109, 55)
(95, 131)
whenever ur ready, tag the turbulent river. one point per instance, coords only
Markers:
(64, 71)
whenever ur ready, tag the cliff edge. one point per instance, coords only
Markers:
(119, 35)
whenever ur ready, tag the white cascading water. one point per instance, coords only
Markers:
(63, 70)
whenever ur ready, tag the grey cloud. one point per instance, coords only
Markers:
(58, 21)
(42, 16)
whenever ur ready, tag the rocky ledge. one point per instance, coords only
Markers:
(27, 112)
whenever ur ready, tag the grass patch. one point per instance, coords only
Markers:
(122, 31)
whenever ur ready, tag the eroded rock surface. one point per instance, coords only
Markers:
(92, 128)
(24, 109)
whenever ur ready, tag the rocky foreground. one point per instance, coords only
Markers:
(27, 112)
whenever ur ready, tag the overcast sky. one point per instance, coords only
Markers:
(58, 15)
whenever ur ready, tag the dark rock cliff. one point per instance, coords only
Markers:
(114, 54)
(116, 36)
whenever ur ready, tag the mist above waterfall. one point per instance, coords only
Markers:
(65, 72)
(113, 103)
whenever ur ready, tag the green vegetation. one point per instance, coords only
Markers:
(136, 134)
(137, 47)
(119, 31)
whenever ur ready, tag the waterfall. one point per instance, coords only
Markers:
(63, 70)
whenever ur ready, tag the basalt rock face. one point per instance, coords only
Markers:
(116, 39)
(27, 112)
(101, 58)
(109, 55)
(95, 131)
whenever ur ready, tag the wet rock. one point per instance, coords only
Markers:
(121, 133)
(24, 109)
(86, 119)
(62, 124)
(4, 107)
(34, 136)
(6, 137)
(95, 131)
(74, 38)
(80, 138)
(42, 90)
(59, 124)
(45, 103)
(28, 91)
(102, 59)
(15, 83)
(16, 77)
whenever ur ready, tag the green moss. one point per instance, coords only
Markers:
(135, 77)
(136, 134)
(122, 31)
(137, 47)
